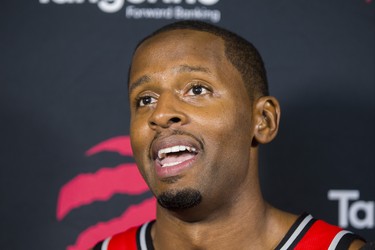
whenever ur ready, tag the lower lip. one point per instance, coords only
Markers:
(165, 172)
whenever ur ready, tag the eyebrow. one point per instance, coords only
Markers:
(188, 68)
(138, 82)
(180, 69)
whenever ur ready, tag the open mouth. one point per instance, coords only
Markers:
(175, 155)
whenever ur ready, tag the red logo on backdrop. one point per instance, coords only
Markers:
(85, 189)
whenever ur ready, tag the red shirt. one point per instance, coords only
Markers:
(306, 233)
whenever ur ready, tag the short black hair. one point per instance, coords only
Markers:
(240, 52)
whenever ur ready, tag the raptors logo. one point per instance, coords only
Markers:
(101, 186)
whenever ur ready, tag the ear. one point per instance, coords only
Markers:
(267, 117)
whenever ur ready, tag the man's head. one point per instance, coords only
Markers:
(194, 127)
(241, 53)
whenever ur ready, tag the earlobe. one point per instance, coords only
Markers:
(266, 118)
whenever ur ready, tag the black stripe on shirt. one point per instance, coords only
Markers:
(148, 238)
(291, 230)
(150, 245)
(98, 246)
(302, 233)
(346, 240)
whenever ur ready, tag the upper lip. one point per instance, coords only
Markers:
(162, 145)
(178, 148)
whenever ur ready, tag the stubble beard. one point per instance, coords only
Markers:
(180, 199)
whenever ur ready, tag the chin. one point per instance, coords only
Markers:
(180, 199)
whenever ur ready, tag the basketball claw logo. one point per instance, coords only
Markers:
(85, 189)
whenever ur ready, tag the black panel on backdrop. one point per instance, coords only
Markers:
(63, 90)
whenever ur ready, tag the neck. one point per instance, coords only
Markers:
(245, 219)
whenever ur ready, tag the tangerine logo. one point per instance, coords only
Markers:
(154, 9)
(111, 6)
(85, 189)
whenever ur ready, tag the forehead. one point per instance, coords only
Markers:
(171, 49)
(182, 41)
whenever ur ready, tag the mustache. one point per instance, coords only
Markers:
(177, 132)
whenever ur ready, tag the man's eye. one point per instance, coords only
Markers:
(146, 100)
(198, 90)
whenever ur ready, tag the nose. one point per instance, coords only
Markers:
(168, 112)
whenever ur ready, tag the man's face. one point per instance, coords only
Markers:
(191, 123)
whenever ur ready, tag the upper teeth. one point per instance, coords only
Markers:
(174, 149)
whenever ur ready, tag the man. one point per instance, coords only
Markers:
(199, 109)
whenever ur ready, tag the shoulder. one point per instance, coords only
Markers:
(310, 233)
(330, 236)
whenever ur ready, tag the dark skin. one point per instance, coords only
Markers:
(182, 81)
